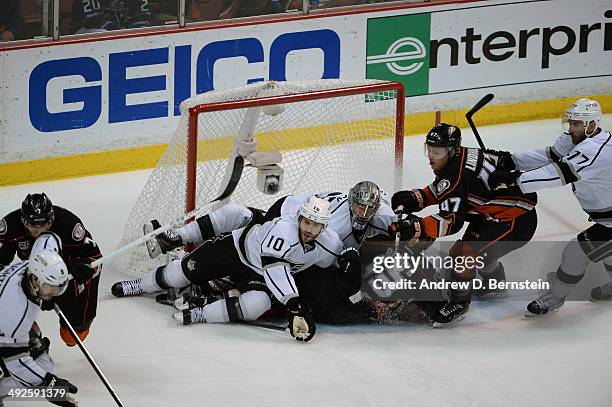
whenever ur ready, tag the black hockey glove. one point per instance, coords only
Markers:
(503, 159)
(407, 226)
(503, 179)
(81, 272)
(350, 261)
(47, 305)
(407, 201)
(53, 382)
(38, 344)
(301, 323)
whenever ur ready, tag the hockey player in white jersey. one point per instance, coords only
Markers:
(23, 286)
(261, 259)
(581, 156)
(356, 216)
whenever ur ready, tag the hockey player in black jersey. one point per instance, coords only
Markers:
(462, 193)
(18, 231)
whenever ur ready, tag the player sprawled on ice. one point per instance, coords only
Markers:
(499, 222)
(23, 287)
(38, 215)
(581, 156)
(261, 260)
(333, 294)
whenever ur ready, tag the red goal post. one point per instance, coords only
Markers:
(195, 111)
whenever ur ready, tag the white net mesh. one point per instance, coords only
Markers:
(326, 145)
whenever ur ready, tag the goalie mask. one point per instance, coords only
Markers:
(364, 198)
(585, 111)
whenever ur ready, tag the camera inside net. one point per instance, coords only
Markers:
(270, 179)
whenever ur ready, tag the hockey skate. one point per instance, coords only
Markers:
(190, 316)
(163, 243)
(450, 313)
(602, 293)
(127, 288)
(545, 304)
(487, 292)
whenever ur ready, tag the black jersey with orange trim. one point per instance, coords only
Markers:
(461, 190)
(76, 240)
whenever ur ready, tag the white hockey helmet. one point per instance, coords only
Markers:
(584, 110)
(316, 209)
(49, 268)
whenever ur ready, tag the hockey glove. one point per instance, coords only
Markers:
(81, 272)
(503, 179)
(407, 227)
(301, 323)
(503, 159)
(350, 261)
(407, 201)
(53, 382)
(38, 344)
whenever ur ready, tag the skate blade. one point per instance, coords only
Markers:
(442, 325)
(493, 296)
(529, 314)
(152, 245)
(597, 300)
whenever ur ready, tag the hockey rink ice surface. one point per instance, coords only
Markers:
(495, 357)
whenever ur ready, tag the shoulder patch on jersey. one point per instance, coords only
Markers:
(3, 226)
(78, 233)
(442, 186)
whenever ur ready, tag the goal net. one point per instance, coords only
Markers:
(323, 135)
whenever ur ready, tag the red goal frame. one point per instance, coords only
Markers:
(194, 112)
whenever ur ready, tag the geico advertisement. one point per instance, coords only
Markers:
(489, 45)
(123, 92)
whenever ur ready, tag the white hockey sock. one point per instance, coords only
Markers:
(571, 270)
(253, 304)
(171, 276)
(147, 282)
(190, 233)
(216, 312)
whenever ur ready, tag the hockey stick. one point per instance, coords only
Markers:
(88, 356)
(230, 180)
(262, 325)
(479, 105)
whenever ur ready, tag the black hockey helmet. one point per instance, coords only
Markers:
(444, 135)
(37, 209)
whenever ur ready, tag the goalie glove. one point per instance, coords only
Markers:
(503, 179)
(301, 323)
(407, 201)
(51, 381)
(407, 226)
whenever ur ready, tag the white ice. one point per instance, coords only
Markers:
(495, 357)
